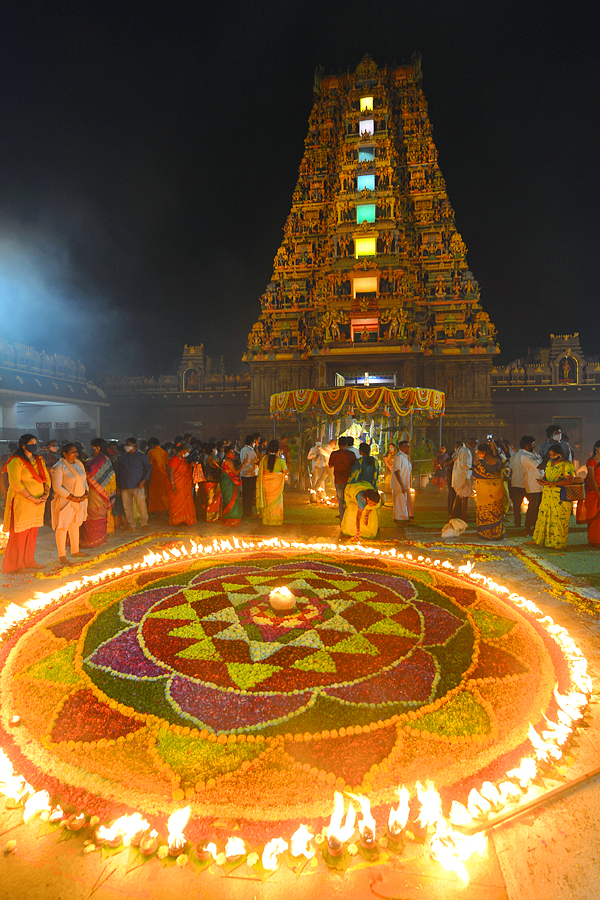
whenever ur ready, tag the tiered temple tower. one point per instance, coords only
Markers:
(371, 284)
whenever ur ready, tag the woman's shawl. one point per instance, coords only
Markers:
(101, 478)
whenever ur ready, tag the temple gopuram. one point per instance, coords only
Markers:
(371, 285)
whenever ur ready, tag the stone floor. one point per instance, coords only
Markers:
(547, 855)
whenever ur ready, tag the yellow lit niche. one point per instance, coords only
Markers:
(365, 285)
(365, 246)
(366, 104)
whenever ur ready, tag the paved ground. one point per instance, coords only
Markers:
(547, 856)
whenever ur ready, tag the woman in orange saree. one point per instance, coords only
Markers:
(181, 501)
(158, 486)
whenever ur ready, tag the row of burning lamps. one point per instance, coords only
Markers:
(451, 847)
(447, 837)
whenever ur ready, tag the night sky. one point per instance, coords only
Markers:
(148, 154)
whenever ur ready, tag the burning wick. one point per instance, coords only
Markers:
(366, 826)
(205, 851)
(282, 599)
(271, 853)
(175, 826)
(399, 817)
(15, 720)
(234, 848)
(300, 843)
(337, 833)
(74, 823)
(149, 843)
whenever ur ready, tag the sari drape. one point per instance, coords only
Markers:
(269, 491)
(181, 502)
(365, 469)
(592, 505)
(489, 499)
(102, 488)
(158, 485)
(552, 526)
(358, 520)
(231, 494)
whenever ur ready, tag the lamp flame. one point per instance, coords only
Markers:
(37, 803)
(282, 598)
(272, 852)
(234, 848)
(399, 817)
(431, 804)
(300, 843)
(175, 825)
(366, 825)
(336, 831)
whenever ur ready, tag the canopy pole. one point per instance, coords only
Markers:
(440, 446)
(411, 428)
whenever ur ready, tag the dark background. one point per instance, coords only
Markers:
(148, 154)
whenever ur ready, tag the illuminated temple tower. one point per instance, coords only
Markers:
(371, 284)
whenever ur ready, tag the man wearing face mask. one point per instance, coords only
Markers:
(555, 436)
(133, 471)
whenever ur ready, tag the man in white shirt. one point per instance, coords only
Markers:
(530, 462)
(249, 461)
(321, 468)
(401, 484)
(351, 447)
(462, 478)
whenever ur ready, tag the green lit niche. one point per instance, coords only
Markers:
(365, 212)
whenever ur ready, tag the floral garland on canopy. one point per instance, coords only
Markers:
(403, 401)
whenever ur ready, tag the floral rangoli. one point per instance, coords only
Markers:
(182, 682)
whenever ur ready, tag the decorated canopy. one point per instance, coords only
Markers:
(352, 401)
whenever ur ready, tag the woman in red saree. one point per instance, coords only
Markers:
(592, 497)
(231, 491)
(102, 490)
(158, 485)
(181, 501)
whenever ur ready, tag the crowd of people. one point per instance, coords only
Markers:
(85, 497)
(500, 477)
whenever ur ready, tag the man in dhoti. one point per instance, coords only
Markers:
(401, 483)
(462, 478)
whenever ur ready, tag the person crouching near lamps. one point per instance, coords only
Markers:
(69, 506)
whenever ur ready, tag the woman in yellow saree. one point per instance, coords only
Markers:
(552, 526)
(361, 516)
(489, 487)
(269, 486)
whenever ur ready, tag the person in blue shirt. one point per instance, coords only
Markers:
(133, 471)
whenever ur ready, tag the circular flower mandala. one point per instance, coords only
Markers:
(383, 672)
(217, 654)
